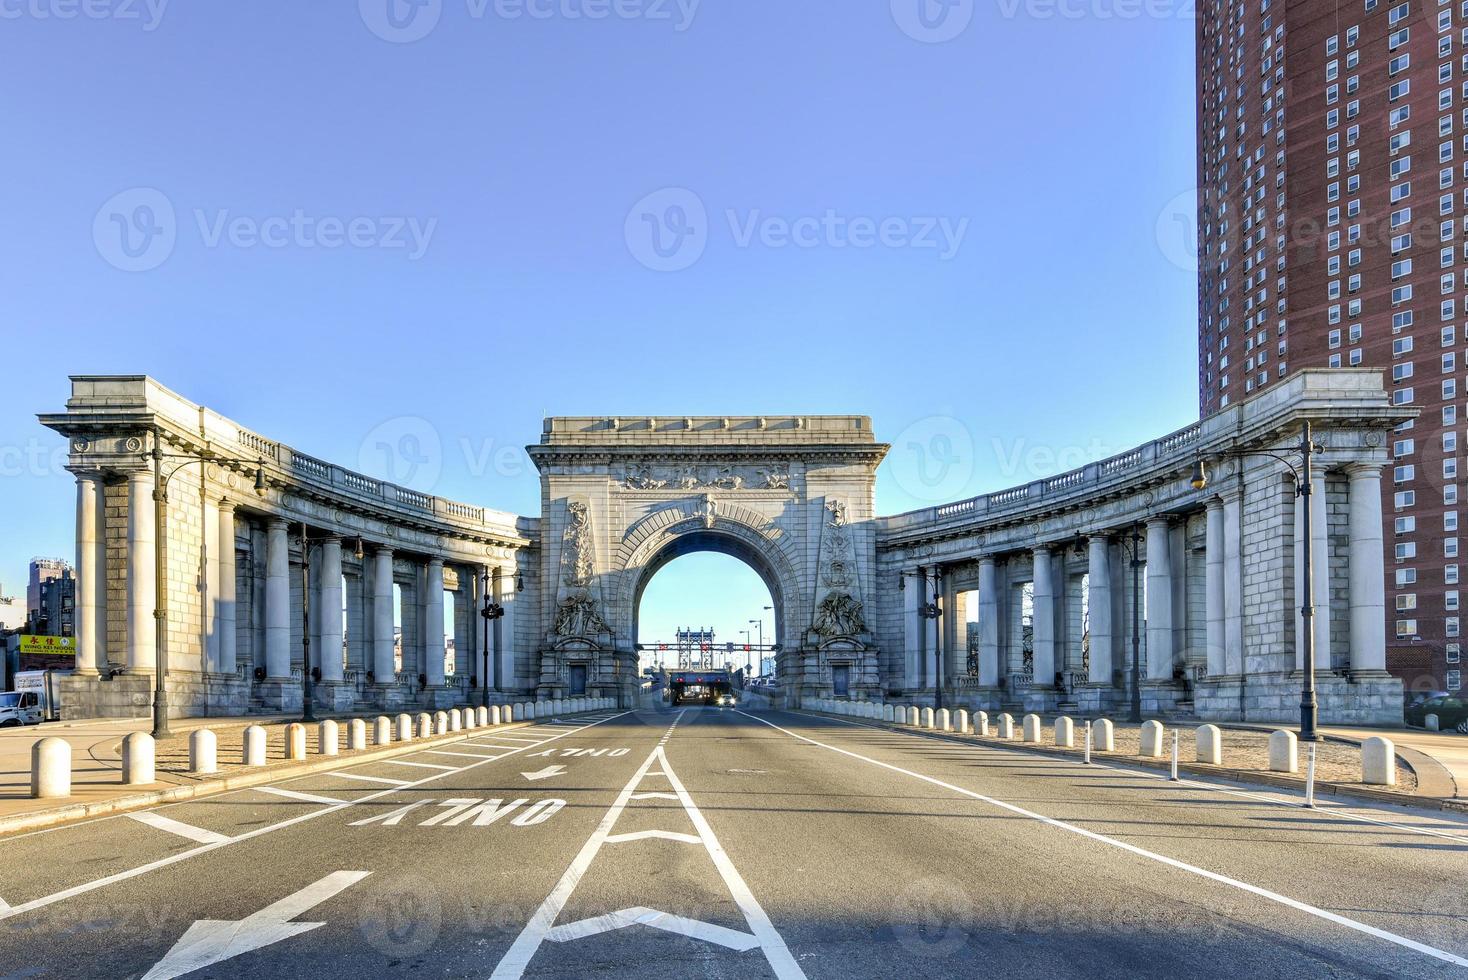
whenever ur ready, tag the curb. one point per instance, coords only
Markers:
(75, 812)
(1192, 768)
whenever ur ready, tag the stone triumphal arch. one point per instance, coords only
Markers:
(793, 497)
(1079, 591)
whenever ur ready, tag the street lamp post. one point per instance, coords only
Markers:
(1309, 708)
(308, 711)
(1135, 540)
(934, 611)
(160, 561)
(491, 611)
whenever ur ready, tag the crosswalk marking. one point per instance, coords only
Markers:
(170, 826)
(291, 794)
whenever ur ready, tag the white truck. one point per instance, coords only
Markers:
(31, 701)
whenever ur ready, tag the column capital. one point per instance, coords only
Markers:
(435, 562)
(225, 504)
(1159, 520)
(383, 550)
(986, 560)
(1215, 503)
(275, 521)
(1364, 470)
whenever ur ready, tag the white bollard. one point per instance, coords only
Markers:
(405, 728)
(944, 720)
(328, 738)
(1378, 762)
(1006, 726)
(1283, 752)
(456, 720)
(960, 721)
(440, 723)
(1103, 736)
(137, 759)
(1431, 723)
(1032, 728)
(887, 713)
(914, 716)
(203, 751)
(425, 725)
(1210, 745)
(498, 713)
(532, 711)
(481, 717)
(1065, 733)
(1151, 740)
(928, 720)
(295, 740)
(981, 723)
(51, 769)
(382, 730)
(254, 746)
(357, 735)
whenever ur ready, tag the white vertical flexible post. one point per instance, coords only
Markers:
(1088, 743)
(1173, 776)
(1310, 778)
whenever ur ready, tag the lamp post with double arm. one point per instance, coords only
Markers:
(492, 610)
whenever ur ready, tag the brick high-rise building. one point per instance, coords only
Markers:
(1333, 176)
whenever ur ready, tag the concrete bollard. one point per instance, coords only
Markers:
(1431, 723)
(1210, 745)
(928, 718)
(532, 711)
(1103, 736)
(295, 740)
(1065, 733)
(50, 769)
(1378, 762)
(1032, 728)
(405, 728)
(960, 721)
(498, 713)
(203, 751)
(383, 726)
(425, 725)
(557, 706)
(1006, 726)
(357, 735)
(138, 752)
(440, 723)
(328, 738)
(1151, 744)
(914, 716)
(456, 720)
(254, 746)
(981, 723)
(888, 713)
(481, 716)
(944, 720)
(1283, 752)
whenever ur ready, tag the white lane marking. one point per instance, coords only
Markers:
(371, 779)
(1327, 807)
(655, 835)
(666, 921)
(291, 794)
(655, 796)
(169, 826)
(547, 773)
(512, 738)
(420, 765)
(172, 859)
(4, 905)
(211, 941)
(1284, 900)
(461, 755)
(515, 961)
(513, 748)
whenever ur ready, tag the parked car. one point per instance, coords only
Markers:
(1451, 711)
(19, 708)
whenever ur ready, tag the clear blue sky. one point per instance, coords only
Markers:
(509, 173)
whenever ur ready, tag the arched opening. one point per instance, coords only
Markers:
(707, 606)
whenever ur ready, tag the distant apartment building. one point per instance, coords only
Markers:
(1333, 184)
(51, 598)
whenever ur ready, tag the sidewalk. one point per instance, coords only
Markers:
(96, 747)
(1448, 750)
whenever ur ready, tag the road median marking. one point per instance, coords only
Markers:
(158, 821)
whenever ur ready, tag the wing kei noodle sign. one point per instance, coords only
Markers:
(56, 646)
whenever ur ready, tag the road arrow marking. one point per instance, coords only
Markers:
(211, 941)
(545, 773)
(666, 921)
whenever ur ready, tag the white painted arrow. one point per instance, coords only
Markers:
(211, 941)
(545, 773)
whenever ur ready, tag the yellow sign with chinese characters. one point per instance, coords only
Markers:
(56, 646)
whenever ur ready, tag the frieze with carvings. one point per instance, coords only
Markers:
(645, 475)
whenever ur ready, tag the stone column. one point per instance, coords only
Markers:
(225, 618)
(1044, 621)
(929, 589)
(1159, 600)
(1367, 574)
(912, 631)
(91, 579)
(988, 622)
(504, 628)
(1213, 578)
(433, 645)
(142, 592)
(277, 601)
(209, 521)
(1233, 582)
(330, 618)
(1320, 545)
(1099, 610)
(383, 670)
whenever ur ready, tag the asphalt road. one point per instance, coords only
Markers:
(711, 842)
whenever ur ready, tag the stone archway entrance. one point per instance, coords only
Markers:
(792, 497)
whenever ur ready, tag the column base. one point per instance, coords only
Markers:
(1099, 698)
(335, 695)
(1161, 697)
(439, 697)
(1041, 700)
(279, 695)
